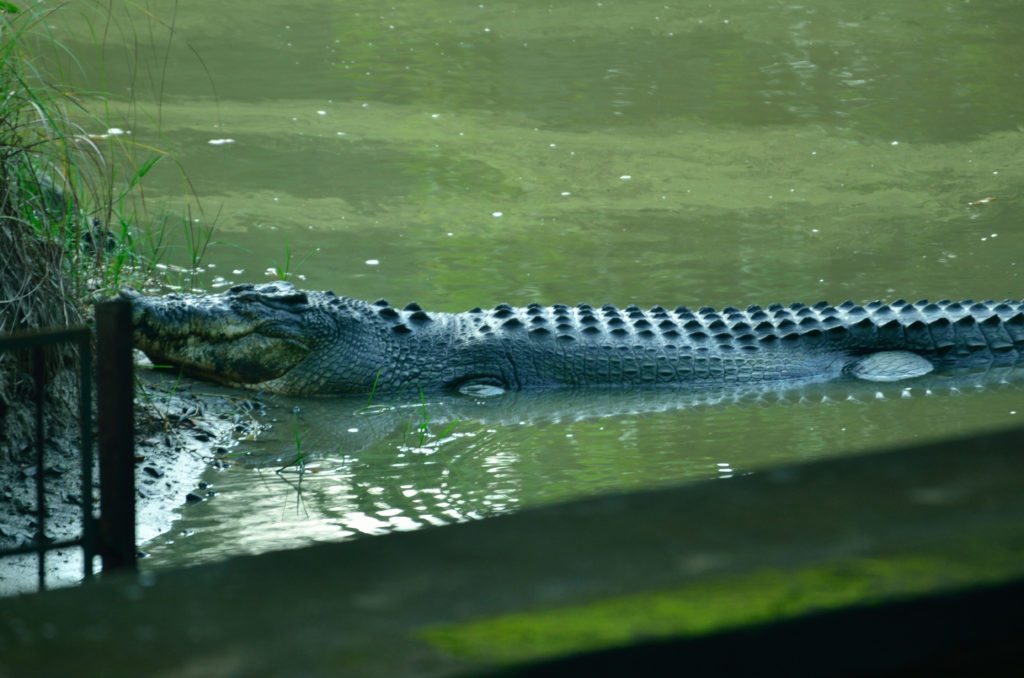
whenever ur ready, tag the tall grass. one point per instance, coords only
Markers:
(73, 220)
(70, 179)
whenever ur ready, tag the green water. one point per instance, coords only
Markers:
(462, 154)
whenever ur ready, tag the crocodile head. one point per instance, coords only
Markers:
(268, 337)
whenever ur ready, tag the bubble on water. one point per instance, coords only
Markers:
(372, 262)
(496, 214)
(626, 177)
(220, 142)
(115, 131)
(321, 112)
(566, 193)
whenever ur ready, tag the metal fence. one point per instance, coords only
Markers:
(112, 534)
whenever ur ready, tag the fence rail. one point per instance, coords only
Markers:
(112, 535)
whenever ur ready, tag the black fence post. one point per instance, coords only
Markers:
(39, 375)
(115, 406)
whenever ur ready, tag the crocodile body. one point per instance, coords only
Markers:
(276, 338)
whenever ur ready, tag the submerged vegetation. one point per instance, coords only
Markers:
(74, 225)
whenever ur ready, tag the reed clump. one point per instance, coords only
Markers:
(66, 235)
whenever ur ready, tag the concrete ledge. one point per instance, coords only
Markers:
(466, 597)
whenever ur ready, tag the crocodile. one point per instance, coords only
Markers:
(276, 338)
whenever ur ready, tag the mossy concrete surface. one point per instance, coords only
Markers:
(544, 582)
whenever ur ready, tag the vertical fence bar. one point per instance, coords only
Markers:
(115, 390)
(39, 376)
(85, 432)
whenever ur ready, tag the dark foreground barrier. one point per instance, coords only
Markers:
(973, 632)
(112, 535)
(869, 564)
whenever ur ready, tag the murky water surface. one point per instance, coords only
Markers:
(464, 154)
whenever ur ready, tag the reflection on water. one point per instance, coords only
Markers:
(402, 466)
(468, 154)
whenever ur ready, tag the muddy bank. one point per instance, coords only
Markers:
(179, 434)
